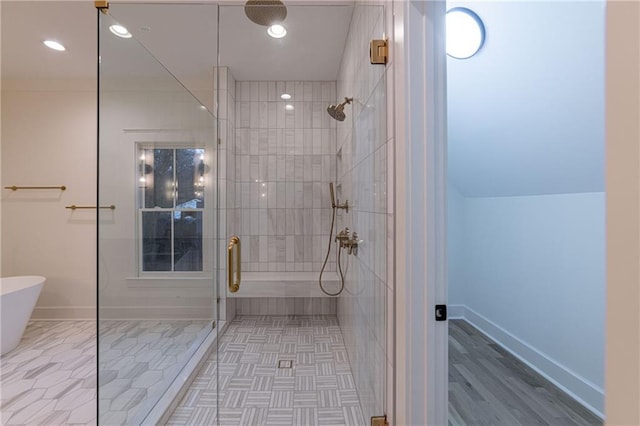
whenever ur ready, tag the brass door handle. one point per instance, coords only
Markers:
(233, 253)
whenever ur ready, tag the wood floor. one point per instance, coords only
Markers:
(489, 386)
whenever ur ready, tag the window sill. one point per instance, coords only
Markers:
(170, 282)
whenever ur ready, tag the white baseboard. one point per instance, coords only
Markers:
(57, 313)
(580, 389)
(455, 311)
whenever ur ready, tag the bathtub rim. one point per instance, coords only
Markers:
(12, 284)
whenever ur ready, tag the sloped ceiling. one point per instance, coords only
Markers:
(526, 114)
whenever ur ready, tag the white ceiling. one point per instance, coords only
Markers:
(26, 24)
(526, 114)
(183, 38)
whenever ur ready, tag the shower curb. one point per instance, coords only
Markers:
(162, 411)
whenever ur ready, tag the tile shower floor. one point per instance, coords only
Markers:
(318, 389)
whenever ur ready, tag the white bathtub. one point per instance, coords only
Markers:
(18, 296)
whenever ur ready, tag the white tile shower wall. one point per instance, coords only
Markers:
(363, 144)
(285, 159)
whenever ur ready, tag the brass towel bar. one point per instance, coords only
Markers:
(15, 188)
(234, 275)
(74, 207)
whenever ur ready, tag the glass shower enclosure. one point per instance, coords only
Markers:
(223, 135)
(158, 201)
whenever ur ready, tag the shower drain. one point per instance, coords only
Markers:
(285, 363)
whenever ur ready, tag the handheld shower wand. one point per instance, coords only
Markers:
(334, 207)
(333, 198)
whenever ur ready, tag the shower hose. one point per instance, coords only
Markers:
(333, 220)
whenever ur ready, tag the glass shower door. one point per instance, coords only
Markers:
(157, 210)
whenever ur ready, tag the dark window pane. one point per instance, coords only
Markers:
(188, 240)
(190, 170)
(158, 178)
(156, 241)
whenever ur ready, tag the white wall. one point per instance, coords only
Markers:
(530, 272)
(49, 138)
(456, 233)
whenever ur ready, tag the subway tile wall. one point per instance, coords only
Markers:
(363, 142)
(284, 160)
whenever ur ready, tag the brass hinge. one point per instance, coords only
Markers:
(103, 5)
(379, 52)
(379, 421)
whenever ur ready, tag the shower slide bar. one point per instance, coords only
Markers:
(74, 207)
(233, 253)
(15, 188)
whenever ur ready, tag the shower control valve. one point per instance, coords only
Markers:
(343, 236)
(348, 241)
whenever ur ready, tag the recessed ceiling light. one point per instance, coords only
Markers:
(120, 31)
(277, 31)
(465, 33)
(54, 45)
(285, 96)
(288, 107)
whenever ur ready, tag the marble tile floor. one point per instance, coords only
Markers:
(50, 378)
(138, 362)
(245, 384)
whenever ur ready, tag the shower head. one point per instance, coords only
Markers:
(337, 111)
(265, 12)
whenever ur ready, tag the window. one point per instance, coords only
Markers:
(171, 209)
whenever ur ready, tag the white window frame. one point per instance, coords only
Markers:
(209, 202)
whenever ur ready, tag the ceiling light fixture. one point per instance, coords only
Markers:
(288, 107)
(285, 96)
(51, 44)
(277, 31)
(120, 31)
(465, 33)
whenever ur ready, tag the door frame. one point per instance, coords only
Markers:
(622, 97)
(421, 379)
